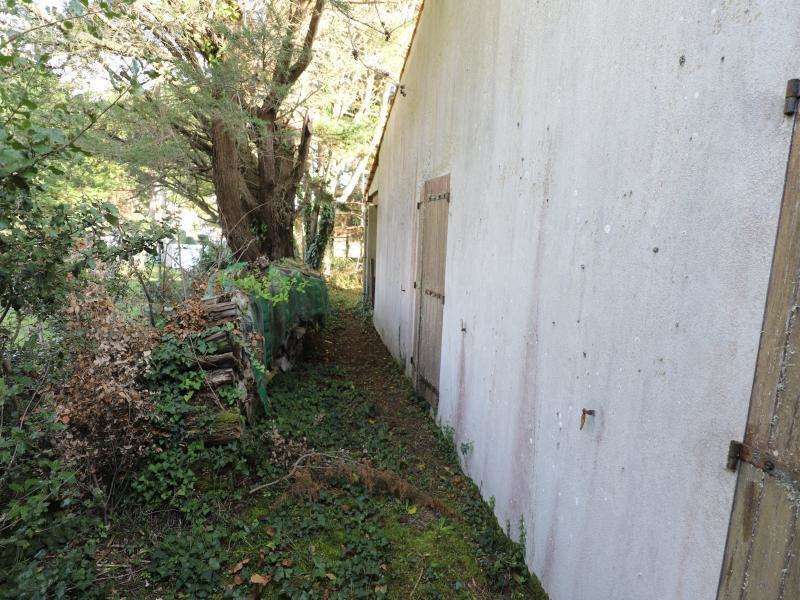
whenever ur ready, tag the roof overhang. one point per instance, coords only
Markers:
(374, 168)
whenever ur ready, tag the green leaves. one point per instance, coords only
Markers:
(111, 213)
(43, 515)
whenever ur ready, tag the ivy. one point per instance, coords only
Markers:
(274, 287)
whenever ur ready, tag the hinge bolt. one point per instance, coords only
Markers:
(586, 412)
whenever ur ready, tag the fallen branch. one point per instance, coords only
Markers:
(339, 466)
(291, 472)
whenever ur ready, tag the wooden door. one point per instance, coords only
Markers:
(763, 547)
(371, 239)
(431, 249)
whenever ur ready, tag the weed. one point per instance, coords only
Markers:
(466, 448)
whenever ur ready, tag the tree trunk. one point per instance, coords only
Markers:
(230, 190)
(257, 212)
(256, 190)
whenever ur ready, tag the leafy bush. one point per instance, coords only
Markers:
(168, 478)
(48, 524)
(346, 273)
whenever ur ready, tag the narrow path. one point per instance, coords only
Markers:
(443, 541)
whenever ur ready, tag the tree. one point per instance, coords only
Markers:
(220, 98)
(213, 101)
(50, 233)
(228, 96)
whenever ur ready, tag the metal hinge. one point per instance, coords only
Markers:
(792, 97)
(415, 285)
(762, 460)
(439, 196)
(436, 295)
(734, 452)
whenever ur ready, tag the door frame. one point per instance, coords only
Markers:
(370, 249)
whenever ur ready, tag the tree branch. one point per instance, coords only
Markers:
(308, 43)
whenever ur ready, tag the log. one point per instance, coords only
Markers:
(223, 311)
(227, 426)
(220, 377)
(224, 342)
(217, 361)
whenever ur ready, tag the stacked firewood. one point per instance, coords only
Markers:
(230, 365)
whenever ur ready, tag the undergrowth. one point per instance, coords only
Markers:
(321, 499)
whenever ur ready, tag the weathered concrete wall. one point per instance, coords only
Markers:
(617, 170)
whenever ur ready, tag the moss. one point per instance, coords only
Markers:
(436, 558)
(226, 418)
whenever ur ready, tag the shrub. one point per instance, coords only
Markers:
(106, 409)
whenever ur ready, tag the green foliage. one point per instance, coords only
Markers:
(175, 514)
(48, 527)
(185, 521)
(70, 573)
(213, 256)
(274, 287)
(191, 560)
(35, 121)
(169, 479)
(49, 231)
(45, 246)
(466, 448)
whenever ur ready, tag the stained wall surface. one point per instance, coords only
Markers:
(616, 174)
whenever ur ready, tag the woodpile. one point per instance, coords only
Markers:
(230, 365)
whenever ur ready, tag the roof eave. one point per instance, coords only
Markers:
(374, 168)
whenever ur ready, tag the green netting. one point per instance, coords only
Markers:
(298, 298)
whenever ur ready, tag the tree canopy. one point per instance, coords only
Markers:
(216, 101)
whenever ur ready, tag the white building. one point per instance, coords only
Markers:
(581, 198)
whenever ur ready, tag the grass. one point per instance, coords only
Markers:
(378, 508)
(341, 400)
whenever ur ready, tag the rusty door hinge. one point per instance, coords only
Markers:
(440, 196)
(436, 295)
(762, 460)
(792, 97)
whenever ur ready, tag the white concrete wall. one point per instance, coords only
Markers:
(579, 141)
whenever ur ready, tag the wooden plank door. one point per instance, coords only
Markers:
(763, 547)
(431, 249)
(370, 254)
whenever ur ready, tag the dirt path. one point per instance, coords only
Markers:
(457, 549)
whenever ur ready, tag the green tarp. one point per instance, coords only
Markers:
(300, 300)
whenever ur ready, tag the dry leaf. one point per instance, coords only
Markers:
(238, 566)
(260, 579)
